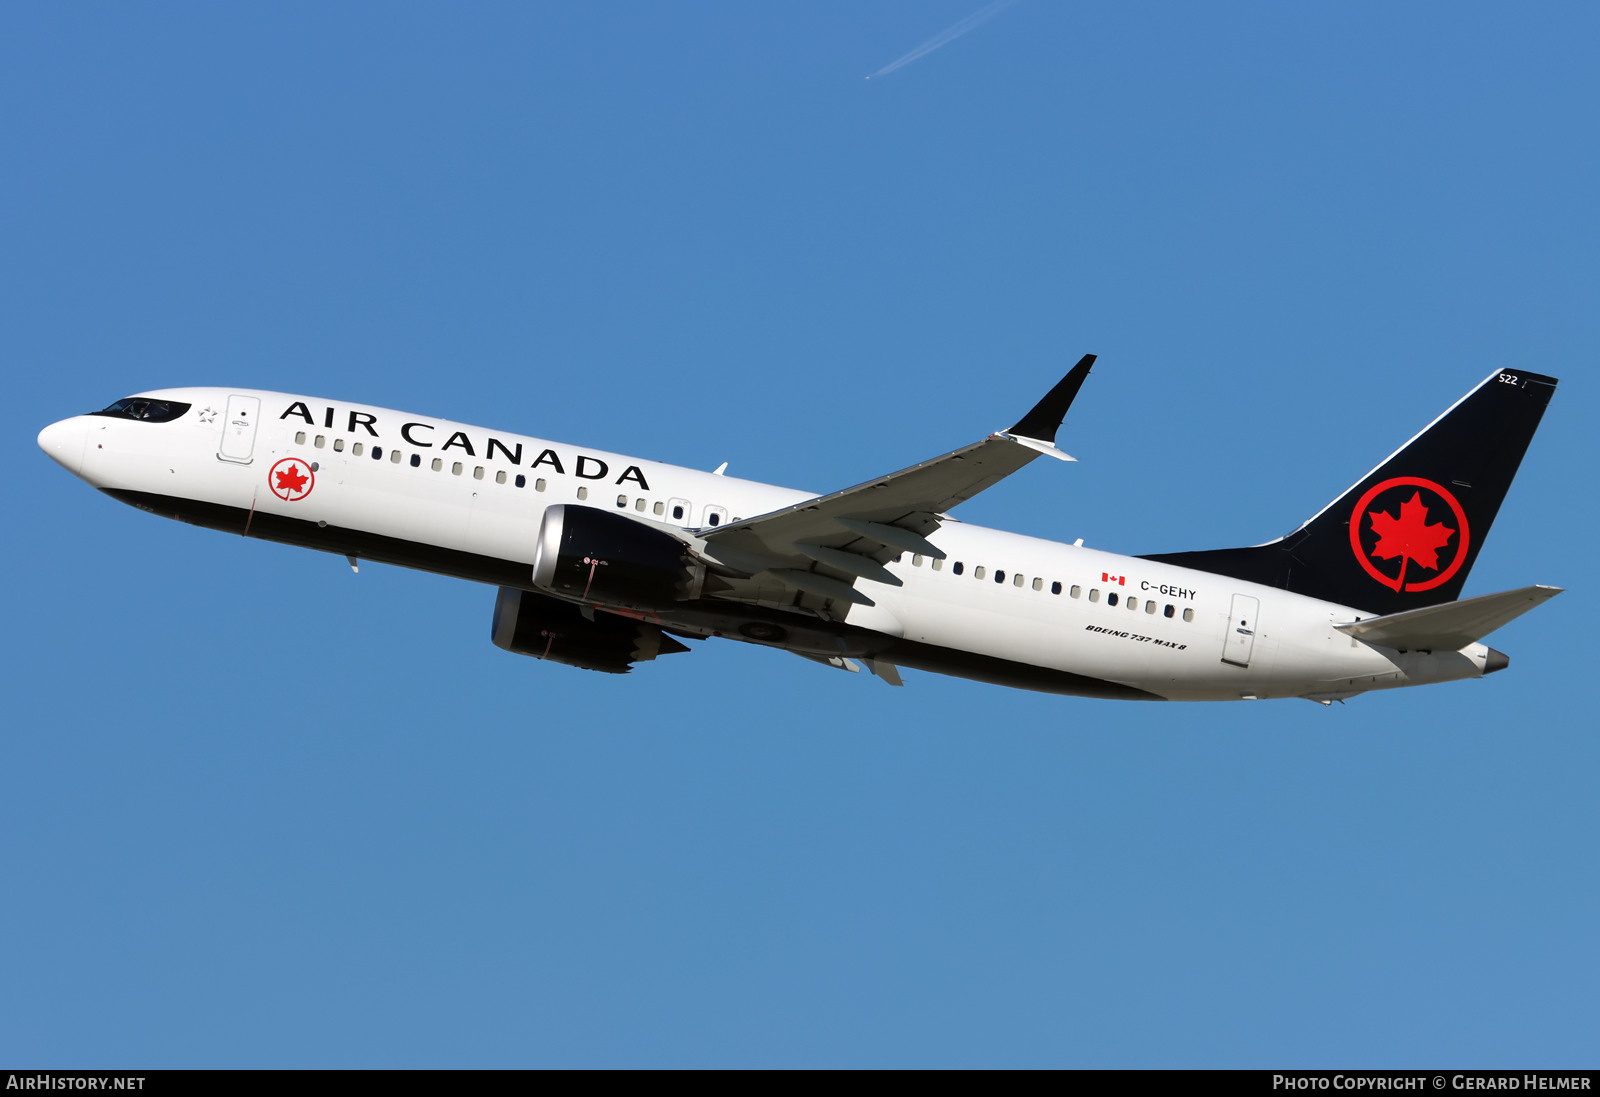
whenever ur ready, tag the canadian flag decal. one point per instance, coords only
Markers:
(1120, 580)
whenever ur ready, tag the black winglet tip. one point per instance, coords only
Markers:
(1047, 415)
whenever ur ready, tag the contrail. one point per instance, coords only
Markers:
(948, 35)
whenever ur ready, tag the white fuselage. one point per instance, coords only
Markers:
(1171, 632)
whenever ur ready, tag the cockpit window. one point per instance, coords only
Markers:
(151, 411)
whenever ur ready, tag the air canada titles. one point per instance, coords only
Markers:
(423, 435)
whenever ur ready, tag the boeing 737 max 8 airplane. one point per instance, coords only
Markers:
(605, 560)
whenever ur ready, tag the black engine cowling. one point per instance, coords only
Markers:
(534, 624)
(596, 556)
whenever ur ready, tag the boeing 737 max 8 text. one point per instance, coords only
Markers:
(604, 560)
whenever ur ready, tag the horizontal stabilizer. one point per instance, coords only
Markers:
(1451, 626)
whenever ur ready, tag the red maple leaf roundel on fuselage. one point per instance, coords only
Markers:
(1411, 527)
(291, 479)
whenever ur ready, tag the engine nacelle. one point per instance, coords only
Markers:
(535, 624)
(596, 556)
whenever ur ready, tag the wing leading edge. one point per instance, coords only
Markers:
(821, 546)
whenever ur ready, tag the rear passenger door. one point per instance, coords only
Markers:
(1240, 640)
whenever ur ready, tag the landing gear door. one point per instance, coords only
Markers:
(1241, 638)
(239, 429)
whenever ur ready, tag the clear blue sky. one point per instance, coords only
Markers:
(261, 812)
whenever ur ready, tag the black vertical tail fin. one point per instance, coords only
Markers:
(1407, 533)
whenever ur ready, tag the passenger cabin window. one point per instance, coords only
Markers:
(477, 472)
(338, 445)
(455, 469)
(957, 567)
(394, 456)
(1111, 598)
(145, 410)
(999, 576)
(355, 450)
(320, 439)
(938, 563)
(1149, 607)
(438, 464)
(1077, 591)
(522, 480)
(500, 476)
(1094, 594)
(1168, 611)
(916, 559)
(659, 509)
(538, 485)
(639, 505)
(377, 453)
(978, 572)
(299, 437)
(1038, 584)
(416, 460)
(583, 493)
(715, 515)
(1017, 580)
(1188, 615)
(622, 501)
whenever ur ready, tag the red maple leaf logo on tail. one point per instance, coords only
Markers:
(290, 479)
(1409, 536)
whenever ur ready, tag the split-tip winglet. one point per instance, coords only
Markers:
(1047, 415)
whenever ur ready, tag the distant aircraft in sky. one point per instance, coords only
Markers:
(946, 36)
(603, 560)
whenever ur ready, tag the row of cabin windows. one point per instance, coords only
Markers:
(1019, 581)
(714, 515)
(680, 509)
(457, 468)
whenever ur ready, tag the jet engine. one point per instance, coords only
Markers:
(596, 556)
(533, 624)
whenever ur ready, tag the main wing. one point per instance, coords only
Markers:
(821, 546)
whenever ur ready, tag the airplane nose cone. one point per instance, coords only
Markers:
(64, 443)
